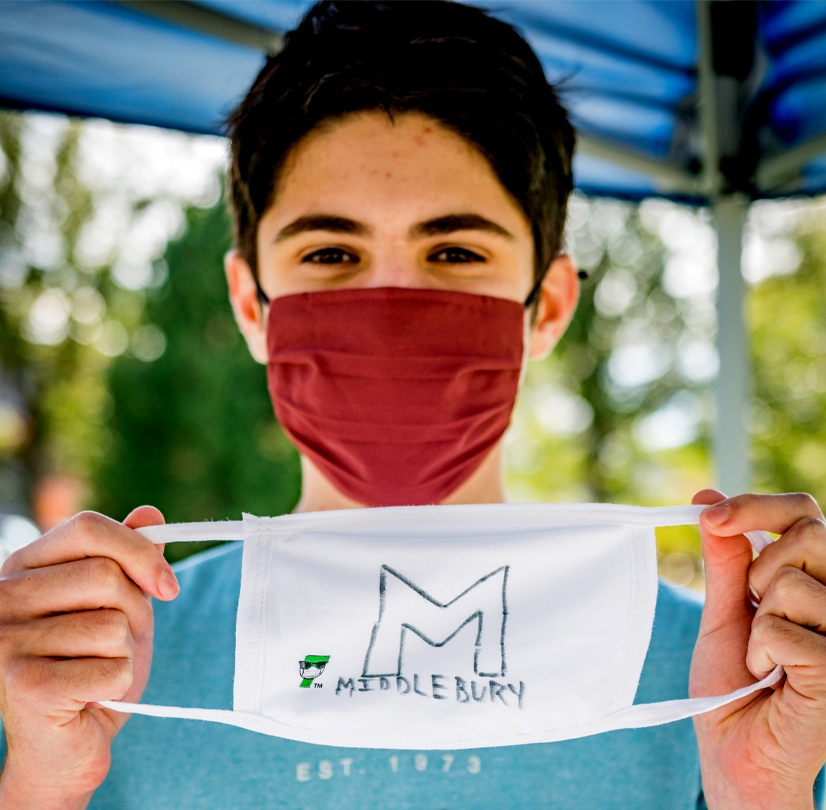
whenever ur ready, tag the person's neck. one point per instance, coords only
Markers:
(484, 486)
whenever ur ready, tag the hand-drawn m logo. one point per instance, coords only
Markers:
(404, 607)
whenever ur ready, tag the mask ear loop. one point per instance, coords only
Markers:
(534, 293)
(759, 540)
(262, 296)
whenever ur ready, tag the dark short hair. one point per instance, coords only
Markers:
(472, 73)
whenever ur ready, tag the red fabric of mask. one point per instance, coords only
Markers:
(397, 395)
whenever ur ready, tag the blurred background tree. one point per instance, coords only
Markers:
(61, 318)
(123, 379)
(788, 320)
(630, 378)
(619, 412)
(622, 409)
(192, 428)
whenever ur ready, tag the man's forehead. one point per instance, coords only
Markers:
(367, 170)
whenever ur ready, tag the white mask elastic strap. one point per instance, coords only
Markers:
(558, 514)
(639, 716)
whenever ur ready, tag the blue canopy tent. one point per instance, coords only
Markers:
(709, 102)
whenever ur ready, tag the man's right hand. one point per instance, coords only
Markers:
(75, 628)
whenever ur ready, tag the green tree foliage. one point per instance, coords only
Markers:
(53, 394)
(788, 321)
(584, 409)
(192, 428)
(591, 417)
(581, 432)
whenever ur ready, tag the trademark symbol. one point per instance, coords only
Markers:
(318, 685)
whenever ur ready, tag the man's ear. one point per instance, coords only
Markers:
(555, 306)
(249, 314)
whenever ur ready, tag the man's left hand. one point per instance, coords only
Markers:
(763, 751)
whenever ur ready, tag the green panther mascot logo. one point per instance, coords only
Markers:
(311, 667)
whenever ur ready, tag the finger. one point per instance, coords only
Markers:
(801, 652)
(771, 513)
(50, 686)
(797, 597)
(803, 546)
(90, 584)
(89, 534)
(89, 634)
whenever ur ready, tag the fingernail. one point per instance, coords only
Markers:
(717, 515)
(168, 586)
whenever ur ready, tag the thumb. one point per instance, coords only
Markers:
(145, 516)
(727, 561)
(727, 612)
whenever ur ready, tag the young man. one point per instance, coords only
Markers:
(400, 175)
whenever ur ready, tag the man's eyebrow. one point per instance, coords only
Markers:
(433, 227)
(457, 222)
(322, 222)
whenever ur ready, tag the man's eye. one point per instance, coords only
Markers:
(456, 255)
(330, 256)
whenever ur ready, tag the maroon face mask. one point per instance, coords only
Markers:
(397, 395)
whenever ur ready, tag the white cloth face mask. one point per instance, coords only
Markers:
(445, 627)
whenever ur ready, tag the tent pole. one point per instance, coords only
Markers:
(707, 103)
(733, 382)
(721, 76)
(212, 22)
(783, 169)
(668, 176)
